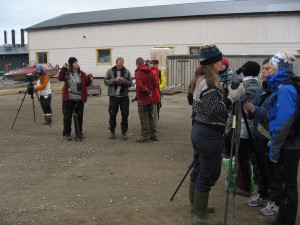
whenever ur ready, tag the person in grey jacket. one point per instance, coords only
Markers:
(250, 71)
(118, 79)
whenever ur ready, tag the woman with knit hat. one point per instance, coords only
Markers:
(210, 110)
(74, 94)
(284, 131)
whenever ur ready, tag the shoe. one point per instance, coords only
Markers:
(242, 192)
(143, 139)
(153, 138)
(124, 136)
(68, 137)
(112, 134)
(256, 200)
(270, 209)
(82, 136)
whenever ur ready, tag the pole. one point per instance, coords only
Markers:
(187, 172)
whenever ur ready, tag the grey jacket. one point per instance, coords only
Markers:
(110, 81)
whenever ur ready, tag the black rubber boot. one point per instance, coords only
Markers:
(112, 134)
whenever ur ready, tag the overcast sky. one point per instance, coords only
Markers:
(18, 14)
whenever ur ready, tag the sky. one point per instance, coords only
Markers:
(20, 14)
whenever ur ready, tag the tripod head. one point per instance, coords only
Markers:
(30, 89)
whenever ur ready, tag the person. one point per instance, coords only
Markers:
(156, 93)
(250, 70)
(210, 108)
(43, 88)
(118, 79)
(268, 172)
(225, 77)
(145, 85)
(161, 75)
(74, 94)
(285, 139)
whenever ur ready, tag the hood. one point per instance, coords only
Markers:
(143, 68)
(278, 78)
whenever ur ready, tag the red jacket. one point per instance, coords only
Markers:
(145, 85)
(64, 74)
(156, 93)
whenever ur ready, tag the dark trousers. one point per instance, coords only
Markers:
(208, 146)
(244, 166)
(288, 205)
(147, 117)
(114, 104)
(68, 107)
(269, 181)
(46, 105)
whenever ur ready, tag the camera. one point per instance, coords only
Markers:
(31, 76)
(79, 86)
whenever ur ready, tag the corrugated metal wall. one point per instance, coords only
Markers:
(181, 68)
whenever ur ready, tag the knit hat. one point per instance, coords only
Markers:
(71, 61)
(250, 68)
(39, 67)
(283, 60)
(225, 61)
(209, 54)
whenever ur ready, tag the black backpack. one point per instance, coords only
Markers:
(296, 124)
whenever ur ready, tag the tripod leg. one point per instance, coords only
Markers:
(187, 172)
(33, 107)
(19, 110)
(77, 128)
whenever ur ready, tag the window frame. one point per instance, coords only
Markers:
(37, 57)
(191, 47)
(97, 56)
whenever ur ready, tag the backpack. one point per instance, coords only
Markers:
(296, 83)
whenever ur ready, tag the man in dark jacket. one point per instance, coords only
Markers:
(145, 85)
(118, 79)
(74, 94)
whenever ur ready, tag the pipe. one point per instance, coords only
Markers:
(22, 38)
(5, 37)
(13, 38)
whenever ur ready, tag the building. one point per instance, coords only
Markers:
(96, 39)
(13, 55)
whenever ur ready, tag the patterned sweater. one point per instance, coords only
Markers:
(208, 107)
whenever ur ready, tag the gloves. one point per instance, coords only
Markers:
(235, 95)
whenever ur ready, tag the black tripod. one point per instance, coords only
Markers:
(29, 91)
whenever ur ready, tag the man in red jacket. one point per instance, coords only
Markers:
(145, 86)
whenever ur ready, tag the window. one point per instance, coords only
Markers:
(194, 50)
(42, 57)
(103, 55)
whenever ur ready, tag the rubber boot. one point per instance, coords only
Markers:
(48, 119)
(112, 134)
(210, 209)
(200, 207)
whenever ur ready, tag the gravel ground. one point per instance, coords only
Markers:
(46, 180)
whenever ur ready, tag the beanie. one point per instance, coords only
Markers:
(209, 54)
(71, 61)
(283, 60)
(39, 67)
(250, 68)
(225, 61)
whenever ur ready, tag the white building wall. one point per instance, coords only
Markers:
(236, 35)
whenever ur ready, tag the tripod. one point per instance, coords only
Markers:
(235, 144)
(29, 91)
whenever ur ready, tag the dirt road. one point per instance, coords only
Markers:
(46, 180)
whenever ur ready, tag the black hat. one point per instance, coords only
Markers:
(209, 54)
(71, 61)
(155, 62)
(250, 68)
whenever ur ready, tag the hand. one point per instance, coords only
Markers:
(248, 106)
(274, 161)
(235, 95)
